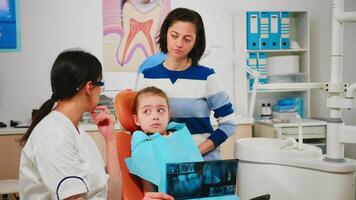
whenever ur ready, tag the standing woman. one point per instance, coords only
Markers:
(60, 160)
(193, 90)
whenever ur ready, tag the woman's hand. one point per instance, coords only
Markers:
(206, 146)
(157, 196)
(105, 122)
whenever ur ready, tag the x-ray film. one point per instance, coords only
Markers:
(201, 179)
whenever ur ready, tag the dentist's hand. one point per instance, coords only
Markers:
(157, 196)
(105, 122)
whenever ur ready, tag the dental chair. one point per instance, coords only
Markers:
(131, 185)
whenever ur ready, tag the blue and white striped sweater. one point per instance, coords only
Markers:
(193, 94)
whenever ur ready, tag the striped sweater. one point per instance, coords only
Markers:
(193, 94)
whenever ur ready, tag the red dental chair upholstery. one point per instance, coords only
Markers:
(131, 185)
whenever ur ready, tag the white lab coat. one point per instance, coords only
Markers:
(58, 162)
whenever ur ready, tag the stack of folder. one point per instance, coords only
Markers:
(257, 61)
(267, 30)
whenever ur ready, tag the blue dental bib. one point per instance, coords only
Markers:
(150, 154)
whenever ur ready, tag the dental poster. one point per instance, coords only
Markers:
(130, 29)
(8, 26)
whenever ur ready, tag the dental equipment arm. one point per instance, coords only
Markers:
(337, 132)
(254, 73)
(350, 90)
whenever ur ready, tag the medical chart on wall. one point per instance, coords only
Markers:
(8, 26)
(129, 30)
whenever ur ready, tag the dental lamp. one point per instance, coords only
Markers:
(253, 73)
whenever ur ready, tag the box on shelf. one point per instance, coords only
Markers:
(287, 78)
(284, 64)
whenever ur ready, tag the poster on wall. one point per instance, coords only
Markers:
(130, 29)
(9, 26)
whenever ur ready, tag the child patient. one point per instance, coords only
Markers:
(158, 142)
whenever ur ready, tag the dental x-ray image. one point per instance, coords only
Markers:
(201, 179)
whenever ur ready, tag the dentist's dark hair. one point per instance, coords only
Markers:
(184, 15)
(71, 70)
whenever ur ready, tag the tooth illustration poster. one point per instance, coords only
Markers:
(130, 28)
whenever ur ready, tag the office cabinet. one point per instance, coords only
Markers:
(227, 148)
(314, 131)
(10, 151)
(266, 36)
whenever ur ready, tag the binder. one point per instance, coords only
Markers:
(285, 41)
(252, 64)
(264, 30)
(262, 67)
(253, 34)
(262, 63)
(263, 80)
(274, 30)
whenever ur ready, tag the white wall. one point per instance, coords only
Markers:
(48, 27)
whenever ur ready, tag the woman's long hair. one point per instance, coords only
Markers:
(71, 70)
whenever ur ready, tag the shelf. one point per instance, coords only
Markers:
(280, 84)
(289, 74)
(287, 78)
(276, 50)
(290, 86)
(279, 90)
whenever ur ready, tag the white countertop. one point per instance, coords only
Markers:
(240, 120)
(20, 131)
(243, 120)
(293, 123)
(92, 127)
(12, 131)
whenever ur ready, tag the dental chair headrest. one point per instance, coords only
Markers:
(124, 109)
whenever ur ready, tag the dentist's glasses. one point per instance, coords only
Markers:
(101, 84)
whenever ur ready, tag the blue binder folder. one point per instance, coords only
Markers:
(253, 35)
(285, 42)
(262, 63)
(252, 62)
(264, 30)
(274, 30)
(262, 68)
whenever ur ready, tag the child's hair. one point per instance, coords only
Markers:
(153, 91)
